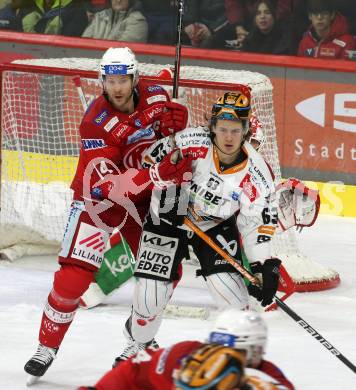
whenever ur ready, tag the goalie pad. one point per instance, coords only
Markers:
(298, 205)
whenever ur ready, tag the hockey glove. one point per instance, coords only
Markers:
(270, 276)
(132, 130)
(174, 119)
(170, 171)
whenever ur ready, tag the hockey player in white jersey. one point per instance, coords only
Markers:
(231, 196)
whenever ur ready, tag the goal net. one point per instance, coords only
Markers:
(40, 116)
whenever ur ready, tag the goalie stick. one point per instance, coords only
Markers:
(299, 320)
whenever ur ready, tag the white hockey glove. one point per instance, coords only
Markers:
(298, 205)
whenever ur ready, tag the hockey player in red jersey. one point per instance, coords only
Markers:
(247, 331)
(117, 127)
(237, 340)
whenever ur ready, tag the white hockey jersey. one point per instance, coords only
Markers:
(246, 190)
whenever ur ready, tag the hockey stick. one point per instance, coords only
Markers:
(78, 83)
(178, 48)
(299, 320)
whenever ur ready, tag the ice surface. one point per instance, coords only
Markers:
(95, 337)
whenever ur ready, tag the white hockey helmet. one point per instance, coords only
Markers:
(245, 330)
(118, 61)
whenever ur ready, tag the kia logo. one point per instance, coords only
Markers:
(313, 109)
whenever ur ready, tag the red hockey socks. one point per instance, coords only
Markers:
(70, 282)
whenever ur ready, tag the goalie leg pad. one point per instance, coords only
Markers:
(69, 284)
(149, 302)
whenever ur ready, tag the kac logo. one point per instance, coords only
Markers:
(314, 109)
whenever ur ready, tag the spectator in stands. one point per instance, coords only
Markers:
(64, 17)
(4, 3)
(12, 14)
(123, 21)
(268, 35)
(203, 19)
(328, 36)
(241, 12)
(161, 19)
(94, 6)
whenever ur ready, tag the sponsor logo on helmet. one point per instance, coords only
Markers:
(147, 133)
(154, 88)
(115, 69)
(98, 120)
(222, 338)
(89, 144)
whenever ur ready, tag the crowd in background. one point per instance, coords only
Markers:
(310, 28)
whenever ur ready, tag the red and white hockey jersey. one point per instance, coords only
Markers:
(246, 190)
(107, 136)
(150, 370)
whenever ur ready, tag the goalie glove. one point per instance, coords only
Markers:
(173, 119)
(298, 205)
(269, 271)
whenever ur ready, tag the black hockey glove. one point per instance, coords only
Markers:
(270, 275)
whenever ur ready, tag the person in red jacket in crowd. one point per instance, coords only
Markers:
(237, 340)
(116, 129)
(328, 36)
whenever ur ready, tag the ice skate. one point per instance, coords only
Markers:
(39, 363)
(133, 347)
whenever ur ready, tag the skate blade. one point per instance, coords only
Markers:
(31, 380)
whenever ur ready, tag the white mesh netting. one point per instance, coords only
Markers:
(41, 113)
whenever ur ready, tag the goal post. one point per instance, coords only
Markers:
(40, 116)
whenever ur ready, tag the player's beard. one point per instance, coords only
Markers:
(125, 105)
